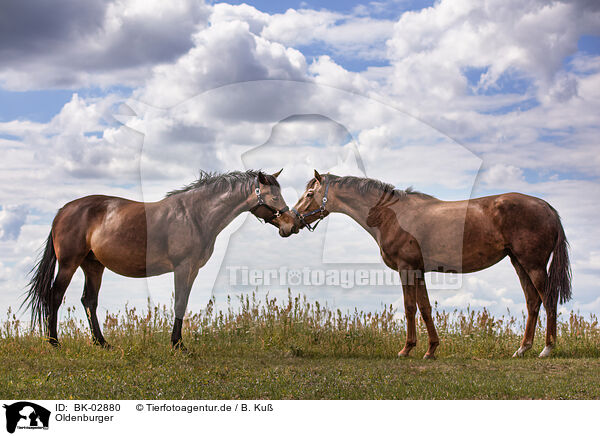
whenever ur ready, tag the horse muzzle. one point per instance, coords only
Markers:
(284, 232)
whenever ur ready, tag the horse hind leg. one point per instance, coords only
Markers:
(533, 281)
(538, 277)
(57, 293)
(93, 271)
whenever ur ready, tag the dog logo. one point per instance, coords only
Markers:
(26, 415)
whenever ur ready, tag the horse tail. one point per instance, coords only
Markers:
(38, 296)
(558, 286)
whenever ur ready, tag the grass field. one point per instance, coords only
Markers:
(297, 350)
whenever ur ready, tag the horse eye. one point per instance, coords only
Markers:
(309, 194)
(275, 198)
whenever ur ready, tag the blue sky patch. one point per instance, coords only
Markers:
(389, 9)
(473, 75)
(38, 106)
(42, 106)
(508, 83)
(348, 62)
(8, 137)
(589, 44)
(554, 136)
(94, 134)
(521, 106)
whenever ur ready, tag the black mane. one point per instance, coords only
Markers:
(365, 185)
(223, 181)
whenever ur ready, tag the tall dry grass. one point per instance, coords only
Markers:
(298, 327)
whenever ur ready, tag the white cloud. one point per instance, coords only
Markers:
(503, 176)
(432, 47)
(224, 12)
(592, 307)
(194, 49)
(71, 44)
(348, 35)
(226, 52)
(12, 219)
(327, 72)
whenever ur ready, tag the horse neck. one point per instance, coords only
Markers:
(356, 205)
(359, 205)
(216, 210)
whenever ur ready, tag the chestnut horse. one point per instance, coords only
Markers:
(176, 234)
(417, 233)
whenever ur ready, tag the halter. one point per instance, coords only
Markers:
(261, 203)
(321, 211)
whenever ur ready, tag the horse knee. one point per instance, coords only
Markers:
(534, 306)
(410, 311)
(426, 313)
(56, 300)
(89, 302)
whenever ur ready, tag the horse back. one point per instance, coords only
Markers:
(471, 235)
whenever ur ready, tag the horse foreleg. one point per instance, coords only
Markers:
(176, 341)
(185, 275)
(425, 309)
(410, 311)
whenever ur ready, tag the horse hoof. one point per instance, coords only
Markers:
(178, 346)
(546, 351)
(102, 344)
(429, 356)
(521, 351)
(54, 342)
(403, 355)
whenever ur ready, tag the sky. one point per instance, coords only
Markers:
(459, 99)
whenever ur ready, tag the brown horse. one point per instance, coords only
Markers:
(176, 234)
(417, 233)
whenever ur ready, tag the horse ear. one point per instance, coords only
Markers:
(318, 177)
(262, 178)
(277, 173)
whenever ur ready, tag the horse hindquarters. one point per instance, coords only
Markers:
(46, 292)
(534, 232)
(67, 246)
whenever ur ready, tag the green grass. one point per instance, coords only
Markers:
(297, 350)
